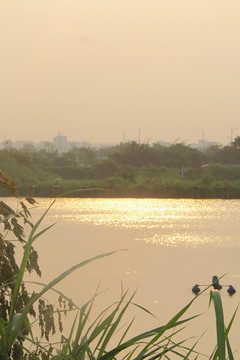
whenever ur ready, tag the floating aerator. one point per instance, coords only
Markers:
(215, 283)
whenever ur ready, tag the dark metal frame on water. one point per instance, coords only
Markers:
(216, 285)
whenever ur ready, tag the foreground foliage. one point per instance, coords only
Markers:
(14, 297)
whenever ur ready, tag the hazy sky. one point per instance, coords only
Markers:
(94, 69)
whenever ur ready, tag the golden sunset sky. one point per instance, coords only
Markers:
(96, 69)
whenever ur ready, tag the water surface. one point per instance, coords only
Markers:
(171, 245)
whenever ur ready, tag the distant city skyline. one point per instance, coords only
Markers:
(95, 70)
(122, 137)
(63, 144)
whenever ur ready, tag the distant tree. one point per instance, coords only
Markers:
(78, 156)
(212, 150)
(14, 155)
(228, 155)
(139, 155)
(49, 147)
(179, 154)
(104, 152)
(28, 148)
(84, 155)
(103, 169)
(27, 153)
(47, 155)
(236, 142)
(133, 153)
(7, 145)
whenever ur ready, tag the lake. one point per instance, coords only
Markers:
(171, 245)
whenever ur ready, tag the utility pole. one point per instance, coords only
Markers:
(124, 136)
(60, 147)
(203, 138)
(231, 135)
(140, 134)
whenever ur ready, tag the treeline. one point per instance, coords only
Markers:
(128, 169)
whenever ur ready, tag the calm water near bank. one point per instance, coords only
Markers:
(172, 245)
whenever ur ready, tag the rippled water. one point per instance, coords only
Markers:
(170, 222)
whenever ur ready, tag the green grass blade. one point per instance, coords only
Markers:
(40, 233)
(56, 291)
(219, 324)
(166, 346)
(169, 325)
(33, 356)
(160, 351)
(35, 227)
(214, 354)
(136, 339)
(125, 332)
(231, 321)
(103, 328)
(230, 353)
(113, 327)
(66, 347)
(99, 326)
(130, 355)
(7, 217)
(2, 337)
(83, 318)
(27, 325)
(20, 278)
(15, 332)
(38, 345)
(96, 327)
(144, 309)
(30, 241)
(191, 350)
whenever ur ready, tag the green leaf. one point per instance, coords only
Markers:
(219, 324)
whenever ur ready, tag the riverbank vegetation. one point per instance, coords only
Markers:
(88, 339)
(126, 170)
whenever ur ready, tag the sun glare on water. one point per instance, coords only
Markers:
(165, 222)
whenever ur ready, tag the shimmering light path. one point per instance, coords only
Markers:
(166, 222)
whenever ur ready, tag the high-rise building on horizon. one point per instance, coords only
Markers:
(60, 142)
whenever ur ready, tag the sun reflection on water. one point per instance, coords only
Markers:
(165, 222)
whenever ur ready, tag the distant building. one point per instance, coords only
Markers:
(73, 145)
(85, 144)
(7, 144)
(203, 144)
(101, 145)
(60, 142)
(20, 143)
(164, 143)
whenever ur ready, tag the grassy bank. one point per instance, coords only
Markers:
(126, 170)
(215, 181)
